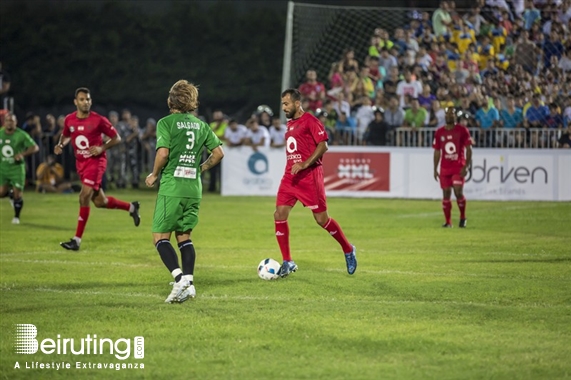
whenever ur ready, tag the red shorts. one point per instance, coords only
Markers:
(91, 172)
(308, 188)
(448, 181)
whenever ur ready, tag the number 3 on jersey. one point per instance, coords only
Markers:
(190, 144)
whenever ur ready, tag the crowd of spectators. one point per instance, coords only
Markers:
(505, 65)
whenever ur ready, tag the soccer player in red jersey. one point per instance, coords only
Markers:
(84, 129)
(306, 142)
(453, 150)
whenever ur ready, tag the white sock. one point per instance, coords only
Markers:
(188, 277)
(176, 272)
(132, 208)
(78, 240)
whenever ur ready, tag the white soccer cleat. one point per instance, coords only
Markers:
(189, 292)
(16, 221)
(177, 289)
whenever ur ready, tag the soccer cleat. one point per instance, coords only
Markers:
(351, 260)
(70, 245)
(189, 292)
(16, 221)
(177, 289)
(447, 225)
(462, 223)
(135, 214)
(287, 268)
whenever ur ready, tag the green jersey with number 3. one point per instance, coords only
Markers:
(185, 136)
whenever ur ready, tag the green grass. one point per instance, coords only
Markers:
(492, 301)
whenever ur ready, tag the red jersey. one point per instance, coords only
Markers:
(302, 136)
(312, 90)
(87, 132)
(452, 144)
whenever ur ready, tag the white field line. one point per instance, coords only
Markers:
(214, 297)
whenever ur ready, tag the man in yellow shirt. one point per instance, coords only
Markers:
(49, 177)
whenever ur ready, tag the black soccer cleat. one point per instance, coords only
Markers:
(70, 245)
(135, 214)
(462, 223)
(447, 225)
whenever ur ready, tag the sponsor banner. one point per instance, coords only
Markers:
(357, 171)
(497, 174)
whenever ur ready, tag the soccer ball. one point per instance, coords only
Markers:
(269, 269)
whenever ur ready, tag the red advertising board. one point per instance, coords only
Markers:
(356, 171)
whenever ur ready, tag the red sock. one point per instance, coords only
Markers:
(447, 207)
(462, 206)
(335, 230)
(282, 235)
(82, 221)
(116, 203)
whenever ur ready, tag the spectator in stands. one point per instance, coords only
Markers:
(218, 125)
(408, 88)
(364, 116)
(554, 120)
(511, 117)
(400, 41)
(277, 133)
(531, 15)
(426, 98)
(415, 116)
(236, 134)
(374, 73)
(387, 60)
(336, 79)
(394, 115)
(536, 115)
(436, 115)
(487, 118)
(391, 82)
(49, 129)
(132, 147)
(264, 114)
(341, 105)
(256, 136)
(149, 143)
(552, 48)
(441, 19)
(313, 90)
(427, 38)
(49, 177)
(345, 129)
(376, 132)
(322, 116)
(374, 46)
(330, 114)
(565, 139)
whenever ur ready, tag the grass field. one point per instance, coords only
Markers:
(492, 301)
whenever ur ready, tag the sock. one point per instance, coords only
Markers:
(447, 207)
(116, 203)
(335, 230)
(462, 206)
(282, 235)
(188, 257)
(169, 257)
(18, 205)
(82, 221)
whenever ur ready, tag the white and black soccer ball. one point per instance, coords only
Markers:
(269, 269)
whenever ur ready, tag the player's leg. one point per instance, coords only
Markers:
(281, 226)
(102, 201)
(18, 203)
(16, 179)
(85, 196)
(185, 226)
(458, 183)
(446, 185)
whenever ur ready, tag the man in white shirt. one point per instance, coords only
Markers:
(235, 134)
(277, 133)
(364, 116)
(257, 136)
(408, 89)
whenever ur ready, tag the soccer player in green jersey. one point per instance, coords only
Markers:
(15, 144)
(181, 138)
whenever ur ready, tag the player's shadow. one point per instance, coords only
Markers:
(46, 227)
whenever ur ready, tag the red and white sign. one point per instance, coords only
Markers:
(357, 171)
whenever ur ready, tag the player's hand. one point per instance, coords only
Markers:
(18, 157)
(296, 168)
(95, 150)
(58, 149)
(464, 171)
(436, 175)
(150, 180)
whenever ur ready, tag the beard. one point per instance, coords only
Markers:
(290, 114)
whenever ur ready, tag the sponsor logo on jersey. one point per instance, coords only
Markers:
(80, 128)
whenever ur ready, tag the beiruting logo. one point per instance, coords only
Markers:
(26, 343)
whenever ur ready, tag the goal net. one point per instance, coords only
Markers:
(317, 35)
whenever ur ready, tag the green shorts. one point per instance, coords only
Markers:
(14, 176)
(175, 214)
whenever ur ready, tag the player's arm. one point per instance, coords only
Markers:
(97, 150)
(215, 157)
(30, 150)
(63, 141)
(468, 161)
(319, 151)
(161, 159)
(436, 162)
